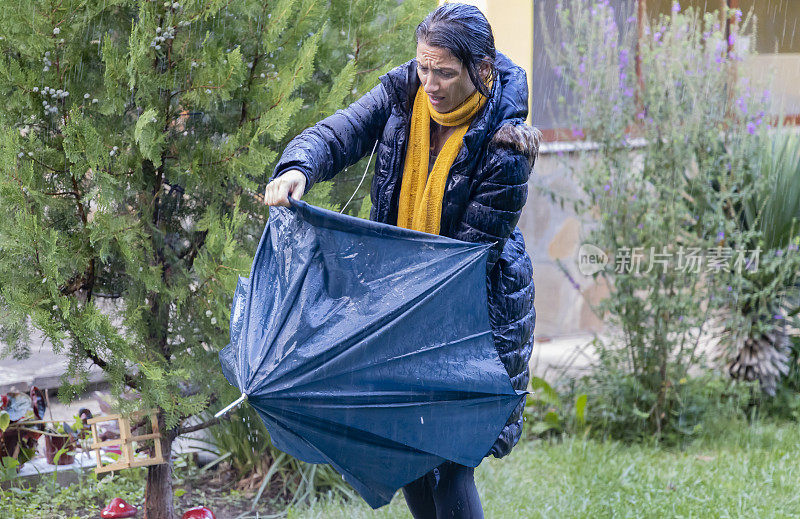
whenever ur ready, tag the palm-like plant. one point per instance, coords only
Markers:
(756, 335)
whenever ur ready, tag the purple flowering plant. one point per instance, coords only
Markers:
(681, 146)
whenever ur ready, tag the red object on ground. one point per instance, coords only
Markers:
(118, 508)
(199, 512)
(38, 402)
(113, 448)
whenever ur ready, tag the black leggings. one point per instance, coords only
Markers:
(447, 491)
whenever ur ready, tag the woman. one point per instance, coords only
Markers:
(453, 158)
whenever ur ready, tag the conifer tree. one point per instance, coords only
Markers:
(136, 139)
(371, 37)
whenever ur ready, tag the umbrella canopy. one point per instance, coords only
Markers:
(369, 347)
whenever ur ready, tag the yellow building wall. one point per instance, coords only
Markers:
(512, 26)
(782, 73)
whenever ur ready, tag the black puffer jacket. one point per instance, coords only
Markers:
(483, 198)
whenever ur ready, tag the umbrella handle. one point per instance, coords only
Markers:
(231, 406)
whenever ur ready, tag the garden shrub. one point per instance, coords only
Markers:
(673, 155)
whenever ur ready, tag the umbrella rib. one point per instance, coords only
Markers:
(345, 430)
(458, 396)
(376, 327)
(368, 366)
(287, 430)
(337, 427)
(253, 281)
(294, 290)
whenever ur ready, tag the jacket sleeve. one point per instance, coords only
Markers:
(496, 201)
(337, 141)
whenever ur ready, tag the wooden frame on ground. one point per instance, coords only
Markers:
(126, 441)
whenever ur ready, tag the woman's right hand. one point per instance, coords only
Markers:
(293, 183)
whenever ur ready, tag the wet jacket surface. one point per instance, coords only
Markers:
(484, 195)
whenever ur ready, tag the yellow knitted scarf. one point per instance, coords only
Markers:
(420, 204)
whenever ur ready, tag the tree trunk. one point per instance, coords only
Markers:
(158, 502)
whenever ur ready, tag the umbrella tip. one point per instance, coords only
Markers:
(231, 405)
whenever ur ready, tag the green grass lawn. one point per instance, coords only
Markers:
(736, 471)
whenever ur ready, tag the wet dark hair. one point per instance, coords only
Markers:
(465, 32)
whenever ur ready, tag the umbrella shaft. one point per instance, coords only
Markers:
(231, 406)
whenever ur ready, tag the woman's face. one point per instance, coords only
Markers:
(444, 78)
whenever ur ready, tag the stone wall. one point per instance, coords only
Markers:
(552, 236)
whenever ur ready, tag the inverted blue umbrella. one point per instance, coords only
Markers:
(369, 347)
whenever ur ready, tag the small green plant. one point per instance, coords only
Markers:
(785, 404)
(542, 409)
(18, 437)
(548, 414)
(8, 468)
(622, 406)
(84, 498)
(74, 429)
(755, 341)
